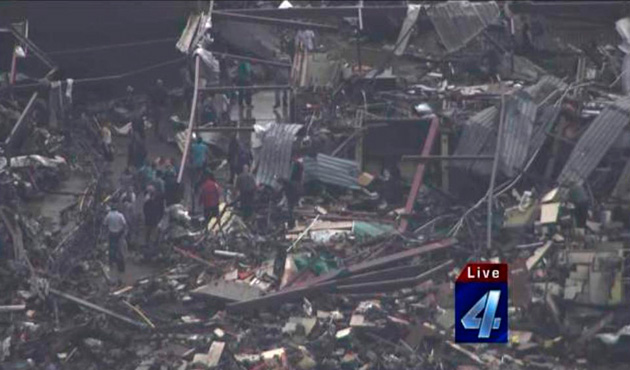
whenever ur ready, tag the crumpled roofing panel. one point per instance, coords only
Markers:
(547, 85)
(459, 22)
(275, 155)
(545, 118)
(520, 113)
(595, 142)
(332, 170)
(477, 131)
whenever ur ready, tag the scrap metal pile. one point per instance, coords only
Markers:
(366, 278)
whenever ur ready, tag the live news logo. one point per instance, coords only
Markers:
(481, 303)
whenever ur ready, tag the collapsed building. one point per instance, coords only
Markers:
(431, 134)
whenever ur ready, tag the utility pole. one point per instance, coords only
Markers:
(495, 165)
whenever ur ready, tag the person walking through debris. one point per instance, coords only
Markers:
(129, 101)
(579, 198)
(238, 156)
(209, 197)
(137, 126)
(281, 77)
(106, 134)
(246, 191)
(199, 153)
(171, 187)
(128, 200)
(291, 192)
(159, 106)
(137, 153)
(153, 212)
(244, 78)
(116, 226)
(221, 108)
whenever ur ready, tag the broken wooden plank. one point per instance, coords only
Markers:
(538, 255)
(387, 285)
(326, 282)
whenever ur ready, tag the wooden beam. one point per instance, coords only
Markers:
(419, 176)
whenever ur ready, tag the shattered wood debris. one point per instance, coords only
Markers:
(339, 251)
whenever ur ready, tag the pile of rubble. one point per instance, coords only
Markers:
(365, 280)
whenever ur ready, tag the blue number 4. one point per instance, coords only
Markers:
(488, 304)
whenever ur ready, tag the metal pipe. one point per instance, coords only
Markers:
(419, 176)
(329, 11)
(495, 166)
(229, 16)
(223, 129)
(191, 122)
(253, 60)
(395, 120)
(8, 147)
(95, 307)
(25, 40)
(447, 157)
(220, 89)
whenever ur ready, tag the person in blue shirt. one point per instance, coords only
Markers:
(199, 154)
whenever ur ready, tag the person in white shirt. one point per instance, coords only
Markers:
(106, 134)
(116, 226)
(306, 38)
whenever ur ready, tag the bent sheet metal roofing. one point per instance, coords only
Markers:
(458, 22)
(332, 170)
(478, 130)
(595, 142)
(520, 113)
(275, 155)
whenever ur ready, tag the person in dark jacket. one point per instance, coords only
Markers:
(137, 126)
(244, 78)
(238, 156)
(153, 212)
(292, 193)
(159, 106)
(137, 153)
(246, 191)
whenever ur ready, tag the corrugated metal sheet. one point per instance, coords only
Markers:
(545, 118)
(625, 79)
(332, 170)
(622, 188)
(275, 155)
(546, 86)
(459, 22)
(258, 39)
(321, 71)
(595, 142)
(477, 130)
(218, 140)
(520, 113)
